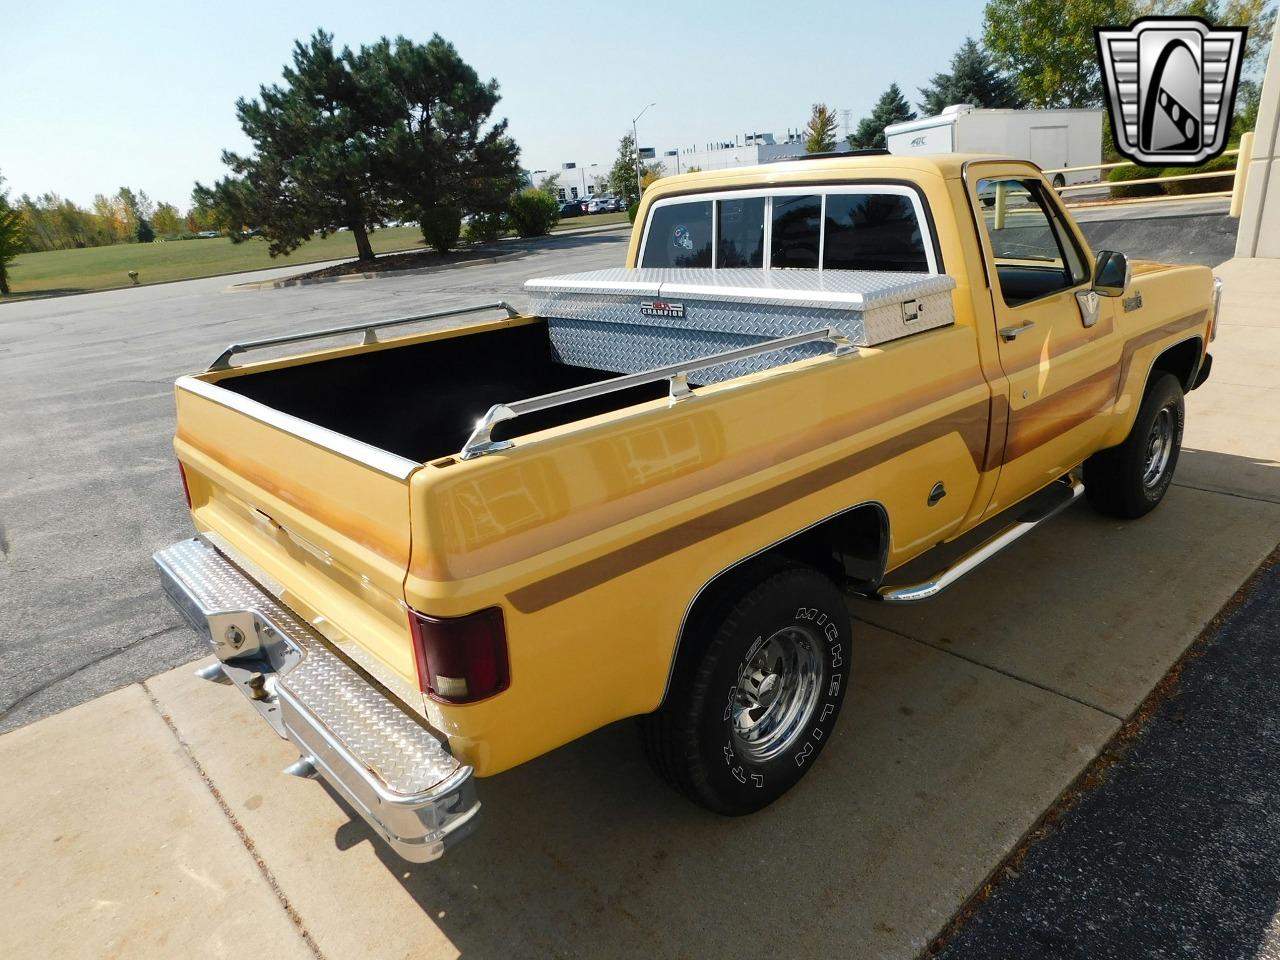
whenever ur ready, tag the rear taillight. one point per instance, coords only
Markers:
(186, 487)
(461, 659)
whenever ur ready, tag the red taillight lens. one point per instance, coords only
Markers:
(186, 487)
(461, 659)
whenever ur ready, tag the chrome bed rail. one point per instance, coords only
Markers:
(368, 329)
(481, 440)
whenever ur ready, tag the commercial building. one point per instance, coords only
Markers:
(585, 180)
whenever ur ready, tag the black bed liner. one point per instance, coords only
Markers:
(421, 401)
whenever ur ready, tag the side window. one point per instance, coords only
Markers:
(740, 225)
(872, 231)
(679, 236)
(1033, 251)
(797, 231)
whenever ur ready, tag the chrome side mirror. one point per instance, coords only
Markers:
(1111, 274)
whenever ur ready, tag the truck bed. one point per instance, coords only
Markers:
(421, 401)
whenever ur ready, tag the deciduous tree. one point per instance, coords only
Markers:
(1047, 46)
(622, 176)
(820, 131)
(166, 220)
(973, 79)
(892, 107)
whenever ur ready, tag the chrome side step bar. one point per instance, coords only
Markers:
(1071, 491)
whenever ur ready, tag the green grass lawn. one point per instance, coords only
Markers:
(589, 220)
(104, 268)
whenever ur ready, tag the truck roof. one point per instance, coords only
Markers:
(945, 165)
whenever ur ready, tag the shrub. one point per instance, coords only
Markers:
(632, 211)
(441, 227)
(1121, 174)
(534, 212)
(1208, 184)
(485, 227)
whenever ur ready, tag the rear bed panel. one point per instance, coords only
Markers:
(334, 531)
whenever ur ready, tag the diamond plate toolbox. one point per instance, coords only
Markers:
(632, 320)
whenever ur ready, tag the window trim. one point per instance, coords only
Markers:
(1058, 230)
(822, 190)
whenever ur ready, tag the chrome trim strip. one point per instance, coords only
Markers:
(355, 450)
(481, 440)
(223, 362)
(979, 555)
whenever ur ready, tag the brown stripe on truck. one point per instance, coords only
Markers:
(970, 422)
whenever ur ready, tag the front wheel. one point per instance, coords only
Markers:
(756, 698)
(1130, 480)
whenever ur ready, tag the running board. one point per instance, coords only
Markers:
(1071, 489)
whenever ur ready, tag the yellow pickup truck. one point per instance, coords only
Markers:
(431, 556)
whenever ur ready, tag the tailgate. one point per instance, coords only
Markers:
(325, 515)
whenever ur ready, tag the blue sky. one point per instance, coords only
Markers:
(102, 95)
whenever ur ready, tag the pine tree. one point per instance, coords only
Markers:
(820, 132)
(892, 107)
(351, 139)
(973, 79)
(11, 237)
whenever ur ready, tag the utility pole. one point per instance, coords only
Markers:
(635, 142)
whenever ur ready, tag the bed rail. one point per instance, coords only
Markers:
(368, 329)
(481, 440)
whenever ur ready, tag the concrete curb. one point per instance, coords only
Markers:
(371, 275)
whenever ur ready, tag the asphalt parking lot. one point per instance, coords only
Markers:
(88, 482)
(967, 721)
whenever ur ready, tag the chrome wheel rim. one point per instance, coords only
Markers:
(777, 691)
(1159, 448)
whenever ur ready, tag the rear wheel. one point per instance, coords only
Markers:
(1130, 480)
(757, 690)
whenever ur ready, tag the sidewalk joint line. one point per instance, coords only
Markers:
(1225, 493)
(986, 666)
(236, 825)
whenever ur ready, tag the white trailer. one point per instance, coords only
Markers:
(1048, 138)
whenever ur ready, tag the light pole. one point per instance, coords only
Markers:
(635, 142)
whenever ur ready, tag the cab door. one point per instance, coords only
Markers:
(1055, 336)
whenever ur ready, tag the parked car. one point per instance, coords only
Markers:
(417, 593)
(570, 208)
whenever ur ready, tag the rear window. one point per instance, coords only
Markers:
(872, 231)
(740, 225)
(872, 227)
(797, 232)
(679, 236)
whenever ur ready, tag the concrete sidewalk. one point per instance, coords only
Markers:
(154, 821)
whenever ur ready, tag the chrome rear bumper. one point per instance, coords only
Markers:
(396, 772)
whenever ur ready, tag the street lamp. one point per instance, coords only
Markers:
(635, 142)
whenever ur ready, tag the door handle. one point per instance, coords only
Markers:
(1011, 333)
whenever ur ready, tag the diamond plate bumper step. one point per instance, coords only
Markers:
(396, 772)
